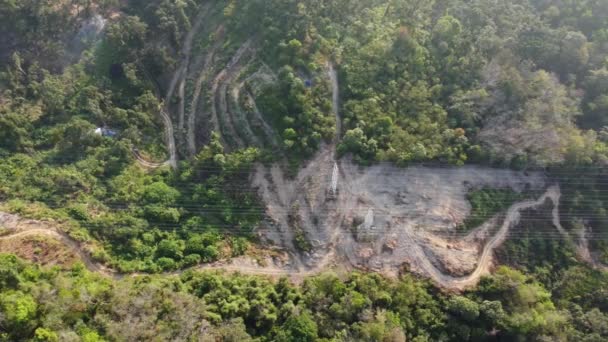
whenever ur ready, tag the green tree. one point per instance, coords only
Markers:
(298, 328)
(45, 335)
(464, 308)
(18, 309)
(170, 248)
(160, 193)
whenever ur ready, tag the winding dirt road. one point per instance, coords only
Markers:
(281, 194)
(22, 228)
(270, 133)
(485, 261)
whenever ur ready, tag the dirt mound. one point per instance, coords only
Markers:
(16, 230)
(41, 250)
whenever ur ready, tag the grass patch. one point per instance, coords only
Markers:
(487, 202)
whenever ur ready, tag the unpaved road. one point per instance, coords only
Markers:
(485, 261)
(194, 106)
(268, 130)
(253, 116)
(235, 105)
(24, 228)
(335, 86)
(186, 55)
(168, 128)
(170, 136)
(219, 92)
(179, 78)
(147, 164)
(409, 205)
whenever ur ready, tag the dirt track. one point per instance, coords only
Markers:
(147, 164)
(335, 86)
(485, 261)
(24, 228)
(204, 75)
(177, 81)
(21, 228)
(219, 91)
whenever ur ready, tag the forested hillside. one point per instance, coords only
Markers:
(161, 135)
(75, 305)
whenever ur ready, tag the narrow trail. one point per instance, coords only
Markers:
(238, 115)
(335, 86)
(177, 81)
(170, 136)
(228, 115)
(214, 119)
(235, 100)
(186, 55)
(259, 117)
(219, 93)
(253, 116)
(169, 140)
(147, 164)
(25, 228)
(512, 217)
(168, 133)
(168, 123)
(63, 238)
(181, 109)
(582, 246)
(194, 106)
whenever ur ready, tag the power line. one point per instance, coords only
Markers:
(387, 234)
(193, 205)
(193, 188)
(392, 167)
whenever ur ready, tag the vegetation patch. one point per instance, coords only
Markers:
(536, 246)
(40, 250)
(488, 202)
(301, 241)
(359, 307)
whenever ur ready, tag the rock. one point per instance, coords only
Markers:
(365, 253)
(389, 246)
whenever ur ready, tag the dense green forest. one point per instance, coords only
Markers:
(521, 84)
(54, 166)
(75, 305)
